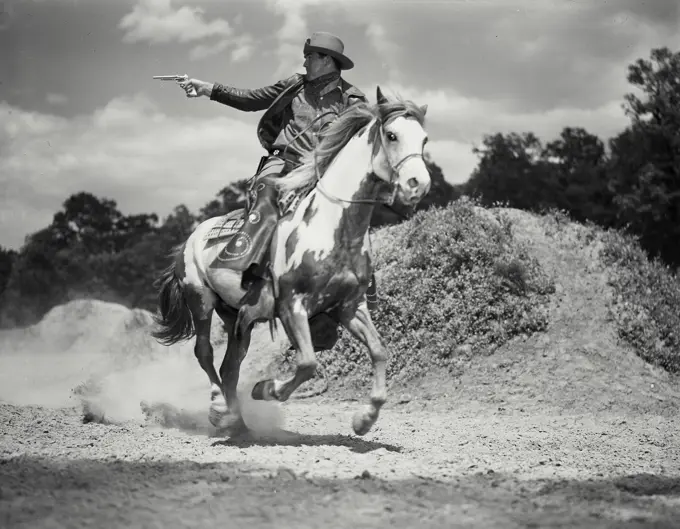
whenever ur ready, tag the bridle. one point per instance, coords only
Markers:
(394, 170)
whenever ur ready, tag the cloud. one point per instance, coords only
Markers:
(533, 55)
(158, 22)
(294, 28)
(385, 48)
(127, 150)
(56, 99)
(242, 48)
(452, 116)
(456, 124)
(455, 158)
(290, 35)
(6, 14)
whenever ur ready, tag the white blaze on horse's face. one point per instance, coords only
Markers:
(400, 160)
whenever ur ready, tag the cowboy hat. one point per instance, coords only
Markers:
(328, 44)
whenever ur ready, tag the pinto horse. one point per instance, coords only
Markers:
(319, 255)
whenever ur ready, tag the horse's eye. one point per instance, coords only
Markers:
(391, 136)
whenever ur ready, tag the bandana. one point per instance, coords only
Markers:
(316, 85)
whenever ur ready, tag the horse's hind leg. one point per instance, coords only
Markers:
(229, 415)
(203, 349)
(202, 303)
(361, 326)
(296, 323)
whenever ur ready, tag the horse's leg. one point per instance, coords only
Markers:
(361, 326)
(202, 303)
(295, 321)
(203, 349)
(228, 415)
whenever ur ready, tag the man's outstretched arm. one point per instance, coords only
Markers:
(247, 100)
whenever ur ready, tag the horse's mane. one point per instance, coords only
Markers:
(337, 134)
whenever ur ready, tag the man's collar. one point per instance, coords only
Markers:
(335, 83)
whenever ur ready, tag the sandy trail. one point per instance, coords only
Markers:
(430, 463)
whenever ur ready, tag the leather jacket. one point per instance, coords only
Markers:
(273, 99)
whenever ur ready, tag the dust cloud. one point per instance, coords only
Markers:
(99, 356)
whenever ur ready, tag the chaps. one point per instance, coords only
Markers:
(250, 245)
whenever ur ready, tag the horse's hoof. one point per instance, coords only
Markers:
(232, 426)
(219, 419)
(361, 424)
(264, 390)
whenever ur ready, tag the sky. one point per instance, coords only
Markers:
(79, 110)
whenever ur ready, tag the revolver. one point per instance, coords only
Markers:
(175, 78)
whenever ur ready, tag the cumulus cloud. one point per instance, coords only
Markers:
(456, 124)
(466, 119)
(290, 35)
(159, 22)
(127, 150)
(533, 55)
(294, 28)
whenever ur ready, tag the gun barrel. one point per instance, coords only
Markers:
(169, 77)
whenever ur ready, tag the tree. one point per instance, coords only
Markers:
(77, 255)
(87, 220)
(512, 169)
(7, 259)
(645, 163)
(228, 199)
(579, 162)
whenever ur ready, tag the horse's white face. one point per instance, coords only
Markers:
(400, 160)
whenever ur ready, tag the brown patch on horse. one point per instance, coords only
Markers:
(291, 243)
(310, 211)
(307, 217)
(258, 306)
(326, 282)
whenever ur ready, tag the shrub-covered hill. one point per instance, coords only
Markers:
(460, 282)
(491, 304)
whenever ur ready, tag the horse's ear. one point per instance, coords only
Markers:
(380, 97)
(423, 109)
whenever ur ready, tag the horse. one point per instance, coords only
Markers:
(320, 262)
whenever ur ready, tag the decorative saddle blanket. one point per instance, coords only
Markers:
(227, 225)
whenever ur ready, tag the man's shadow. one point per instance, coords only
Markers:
(288, 438)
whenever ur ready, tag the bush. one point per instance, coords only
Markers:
(452, 283)
(646, 304)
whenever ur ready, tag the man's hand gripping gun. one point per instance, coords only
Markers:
(178, 78)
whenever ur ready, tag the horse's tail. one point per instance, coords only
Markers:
(174, 319)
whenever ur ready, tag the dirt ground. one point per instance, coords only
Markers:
(564, 429)
(429, 463)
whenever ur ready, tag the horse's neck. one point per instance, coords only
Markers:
(345, 177)
(348, 190)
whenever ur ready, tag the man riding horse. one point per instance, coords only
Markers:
(296, 111)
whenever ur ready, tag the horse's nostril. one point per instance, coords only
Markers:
(412, 182)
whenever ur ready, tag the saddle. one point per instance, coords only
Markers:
(227, 225)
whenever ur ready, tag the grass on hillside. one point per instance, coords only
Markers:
(452, 283)
(646, 293)
(646, 305)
